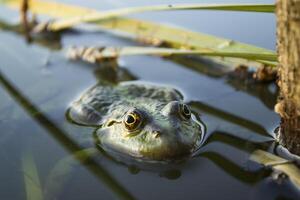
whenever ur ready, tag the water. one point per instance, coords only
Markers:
(38, 83)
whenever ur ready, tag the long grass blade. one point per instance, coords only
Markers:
(31, 178)
(152, 33)
(66, 23)
(174, 37)
(62, 171)
(279, 164)
(97, 54)
(62, 137)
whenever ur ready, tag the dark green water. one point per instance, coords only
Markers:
(38, 84)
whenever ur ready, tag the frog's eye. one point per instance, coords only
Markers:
(185, 111)
(132, 121)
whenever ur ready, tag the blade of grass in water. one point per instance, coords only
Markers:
(153, 33)
(62, 137)
(62, 171)
(66, 23)
(31, 177)
(93, 54)
(278, 164)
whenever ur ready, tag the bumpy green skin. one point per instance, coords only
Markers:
(163, 134)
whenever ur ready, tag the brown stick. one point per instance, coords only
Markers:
(24, 19)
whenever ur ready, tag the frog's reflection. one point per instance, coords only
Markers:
(111, 73)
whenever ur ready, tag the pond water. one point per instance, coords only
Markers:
(38, 83)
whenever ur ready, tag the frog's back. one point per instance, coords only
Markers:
(159, 93)
(99, 100)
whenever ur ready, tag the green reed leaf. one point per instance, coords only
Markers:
(31, 178)
(93, 54)
(278, 164)
(96, 16)
(157, 34)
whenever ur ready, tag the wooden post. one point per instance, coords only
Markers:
(288, 48)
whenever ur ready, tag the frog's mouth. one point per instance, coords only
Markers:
(143, 156)
(161, 149)
(172, 153)
(155, 141)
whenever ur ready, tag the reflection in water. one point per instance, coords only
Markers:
(86, 156)
(133, 169)
(171, 174)
(59, 135)
(62, 171)
(252, 126)
(240, 173)
(242, 144)
(64, 140)
(48, 40)
(262, 91)
(113, 75)
(247, 84)
(201, 65)
(234, 170)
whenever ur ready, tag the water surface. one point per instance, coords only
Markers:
(38, 83)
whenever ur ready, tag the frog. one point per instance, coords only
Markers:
(144, 121)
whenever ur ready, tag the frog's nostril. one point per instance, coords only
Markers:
(156, 134)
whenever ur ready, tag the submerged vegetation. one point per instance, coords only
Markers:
(172, 43)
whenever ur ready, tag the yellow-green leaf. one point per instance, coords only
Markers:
(96, 16)
(93, 54)
(31, 177)
(279, 164)
(154, 33)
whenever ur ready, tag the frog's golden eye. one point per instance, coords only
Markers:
(132, 121)
(185, 111)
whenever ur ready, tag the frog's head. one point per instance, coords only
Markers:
(164, 132)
